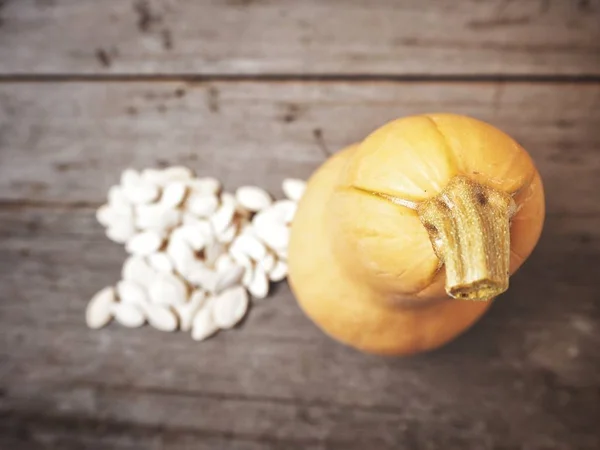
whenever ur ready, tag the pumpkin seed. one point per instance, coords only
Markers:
(227, 235)
(157, 217)
(128, 315)
(161, 262)
(205, 186)
(121, 231)
(259, 285)
(251, 246)
(293, 188)
(118, 200)
(141, 192)
(144, 243)
(180, 252)
(222, 218)
(161, 317)
(212, 253)
(279, 271)
(105, 215)
(267, 262)
(154, 176)
(274, 234)
(130, 177)
(99, 310)
(230, 307)
(177, 173)
(173, 194)
(167, 289)
(202, 205)
(228, 277)
(203, 325)
(131, 292)
(187, 311)
(137, 269)
(253, 198)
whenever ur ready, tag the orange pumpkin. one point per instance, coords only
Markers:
(401, 242)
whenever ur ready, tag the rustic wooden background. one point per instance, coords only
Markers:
(252, 91)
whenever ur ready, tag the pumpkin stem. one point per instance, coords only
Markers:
(469, 228)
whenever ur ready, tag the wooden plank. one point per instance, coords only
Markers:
(526, 375)
(68, 142)
(528, 37)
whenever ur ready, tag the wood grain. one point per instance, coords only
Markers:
(68, 142)
(527, 376)
(386, 37)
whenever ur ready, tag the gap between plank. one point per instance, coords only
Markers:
(333, 78)
(24, 204)
(27, 422)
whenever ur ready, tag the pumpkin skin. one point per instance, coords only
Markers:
(364, 268)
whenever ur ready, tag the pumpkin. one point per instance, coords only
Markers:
(401, 242)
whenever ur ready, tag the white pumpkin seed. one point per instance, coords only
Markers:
(202, 205)
(144, 243)
(128, 315)
(167, 289)
(203, 325)
(99, 310)
(117, 199)
(222, 218)
(157, 216)
(196, 236)
(212, 253)
(228, 277)
(230, 307)
(265, 219)
(154, 176)
(228, 199)
(173, 194)
(131, 292)
(223, 262)
(267, 262)
(130, 177)
(201, 276)
(180, 252)
(161, 317)
(141, 192)
(259, 286)
(227, 235)
(187, 311)
(177, 173)
(105, 215)
(137, 269)
(251, 246)
(284, 210)
(121, 231)
(161, 262)
(248, 275)
(279, 271)
(205, 186)
(239, 256)
(293, 188)
(282, 253)
(253, 198)
(274, 234)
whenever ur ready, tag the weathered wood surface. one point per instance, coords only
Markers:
(527, 376)
(356, 37)
(68, 142)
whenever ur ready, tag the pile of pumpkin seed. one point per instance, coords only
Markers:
(196, 253)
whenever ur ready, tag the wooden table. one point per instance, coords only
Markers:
(252, 91)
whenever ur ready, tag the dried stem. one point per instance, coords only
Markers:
(469, 228)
